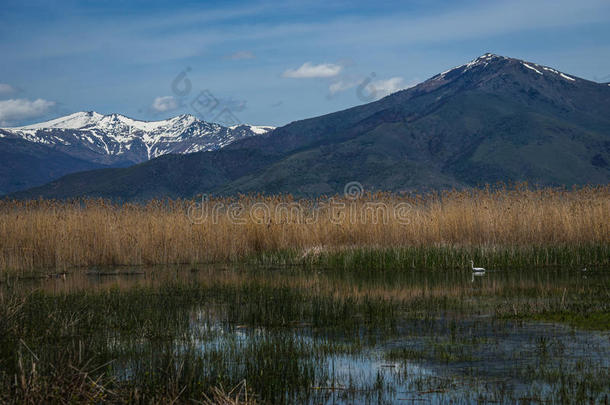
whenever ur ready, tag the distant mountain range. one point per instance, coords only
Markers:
(492, 119)
(36, 154)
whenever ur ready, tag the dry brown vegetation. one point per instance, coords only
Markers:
(54, 234)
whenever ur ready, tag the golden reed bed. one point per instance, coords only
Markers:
(52, 234)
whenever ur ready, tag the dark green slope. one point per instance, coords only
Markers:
(501, 122)
(167, 176)
(26, 164)
(495, 119)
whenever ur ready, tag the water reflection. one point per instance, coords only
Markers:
(476, 274)
(321, 336)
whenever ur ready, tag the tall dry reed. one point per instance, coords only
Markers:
(54, 234)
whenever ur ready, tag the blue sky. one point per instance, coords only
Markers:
(269, 63)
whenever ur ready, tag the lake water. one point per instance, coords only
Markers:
(328, 336)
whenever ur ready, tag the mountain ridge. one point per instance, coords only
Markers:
(492, 119)
(117, 139)
(90, 140)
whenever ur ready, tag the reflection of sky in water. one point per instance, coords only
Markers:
(494, 356)
(500, 354)
(353, 377)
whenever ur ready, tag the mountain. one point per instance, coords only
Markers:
(492, 119)
(36, 154)
(25, 164)
(118, 140)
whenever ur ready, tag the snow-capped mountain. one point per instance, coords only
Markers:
(116, 139)
(493, 119)
(489, 58)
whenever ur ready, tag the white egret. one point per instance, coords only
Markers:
(476, 269)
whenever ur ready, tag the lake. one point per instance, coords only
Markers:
(319, 335)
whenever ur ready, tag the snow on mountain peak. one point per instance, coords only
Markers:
(489, 58)
(115, 137)
(538, 69)
(486, 58)
(72, 121)
(483, 60)
(532, 68)
(87, 119)
(257, 129)
(114, 120)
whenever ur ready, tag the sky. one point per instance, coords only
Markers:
(269, 63)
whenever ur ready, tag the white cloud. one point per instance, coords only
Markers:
(370, 89)
(242, 55)
(307, 71)
(381, 88)
(341, 85)
(19, 109)
(165, 103)
(7, 89)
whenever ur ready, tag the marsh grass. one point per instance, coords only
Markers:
(182, 335)
(500, 226)
(145, 343)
